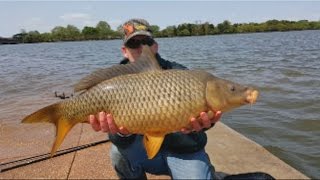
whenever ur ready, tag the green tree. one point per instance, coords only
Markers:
(90, 33)
(184, 32)
(32, 37)
(225, 27)
(314, 25)
(72, 33)
(20, 37)
(197, 29)
(206, 28)
(59, 33)
(46, 37)
(104, 30)
(155, 30)
(272, 25)
(303, 24)
(183, 29)
(170, 31)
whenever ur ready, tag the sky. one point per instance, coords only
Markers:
(43, 16)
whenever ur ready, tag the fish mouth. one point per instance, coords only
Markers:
(252, 97)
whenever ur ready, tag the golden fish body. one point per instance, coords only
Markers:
(153, 103)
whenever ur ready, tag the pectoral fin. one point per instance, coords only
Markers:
(152, 144)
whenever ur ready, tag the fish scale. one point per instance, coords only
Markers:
(121, 101)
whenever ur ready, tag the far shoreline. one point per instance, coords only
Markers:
(11, 41)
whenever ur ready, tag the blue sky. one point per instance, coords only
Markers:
(44, 16)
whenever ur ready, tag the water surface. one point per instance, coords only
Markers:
(284, 66)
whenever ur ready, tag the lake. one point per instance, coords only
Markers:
(284, 66)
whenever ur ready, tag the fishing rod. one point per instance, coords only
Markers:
(42, 157)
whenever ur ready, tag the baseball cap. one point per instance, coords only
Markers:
(134, 27)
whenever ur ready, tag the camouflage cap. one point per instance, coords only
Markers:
(134, 27)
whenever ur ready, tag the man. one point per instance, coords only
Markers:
(182, 155)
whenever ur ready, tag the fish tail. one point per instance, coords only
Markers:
(52, 114)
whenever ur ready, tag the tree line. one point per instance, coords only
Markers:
(103, 31)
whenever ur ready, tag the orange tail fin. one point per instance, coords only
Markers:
(52, 114)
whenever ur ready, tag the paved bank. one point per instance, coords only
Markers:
(229, 151)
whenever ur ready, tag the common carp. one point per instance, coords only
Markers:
(152, 102)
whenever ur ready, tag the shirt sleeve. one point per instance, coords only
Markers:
(122, 141)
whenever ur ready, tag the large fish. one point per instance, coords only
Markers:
(152, 102)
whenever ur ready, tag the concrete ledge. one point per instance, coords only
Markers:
(229, 151)
(233, 153)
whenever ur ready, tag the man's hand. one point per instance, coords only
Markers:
(205, 121)
(105, 123)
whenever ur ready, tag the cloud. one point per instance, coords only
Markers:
(76, 17)
(83, 19)
(114, 23)
(35, 23)
(35, 20)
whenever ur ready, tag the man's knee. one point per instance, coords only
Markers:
(191, 166)
(123, 167)
(116, 156)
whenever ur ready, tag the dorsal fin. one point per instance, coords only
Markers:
(146, 62)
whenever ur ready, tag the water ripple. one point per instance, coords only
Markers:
(284, 66)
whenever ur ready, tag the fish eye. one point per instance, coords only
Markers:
(232, 88)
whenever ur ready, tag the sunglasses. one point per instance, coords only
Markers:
(136, 43)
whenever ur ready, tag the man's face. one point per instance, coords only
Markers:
(133, 48)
